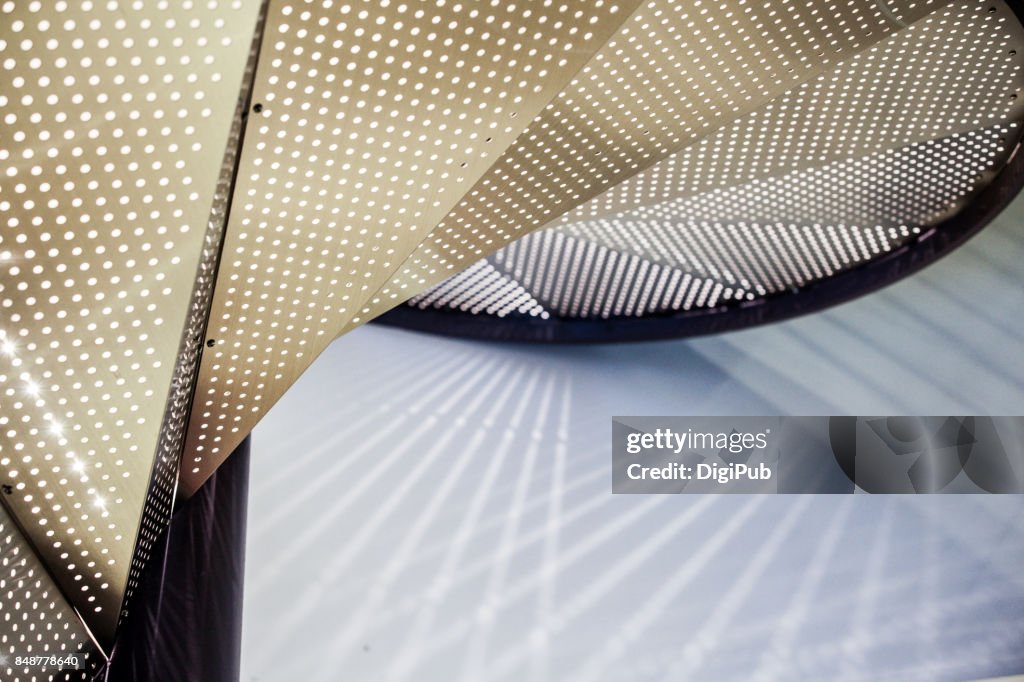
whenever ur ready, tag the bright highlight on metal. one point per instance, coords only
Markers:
(116, 118)
(36, 620)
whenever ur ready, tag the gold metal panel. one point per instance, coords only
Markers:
(957, 70)
(674, 74)
(339, 188)
(159, 505)
(116, 118)
(741, 243)
(774, 234)
(35, 618)
(794, 191)
(374, 120)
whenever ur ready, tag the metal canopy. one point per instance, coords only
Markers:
(374, 121)
(849, 173)
(348, 204)
(116, 121)
(198, 197)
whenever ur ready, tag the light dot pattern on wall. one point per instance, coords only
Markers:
(577, 278)
(35, 618)
(116, 116)
(374, 120)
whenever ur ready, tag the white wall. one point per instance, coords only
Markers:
(432, 509)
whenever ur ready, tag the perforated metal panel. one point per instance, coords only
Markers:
(35, 618)
(784, 232)
(955, 71)
(678, 71)
(855, 166)
(400, 143)
(374, 121)
(116, 120)
(482, 288)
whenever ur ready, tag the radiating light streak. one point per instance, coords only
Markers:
(666, 595)
(860, 632)
(613, 575)
(313, 593)
(362, 619)
(474, 659)
(546, 597)
(376, 441)
(402, 390)
(705, 637)
(776, 658)
(443, 579)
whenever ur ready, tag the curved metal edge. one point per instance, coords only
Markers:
(841, 288)
(932, 245)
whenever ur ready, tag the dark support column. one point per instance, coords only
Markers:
(187, 620)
